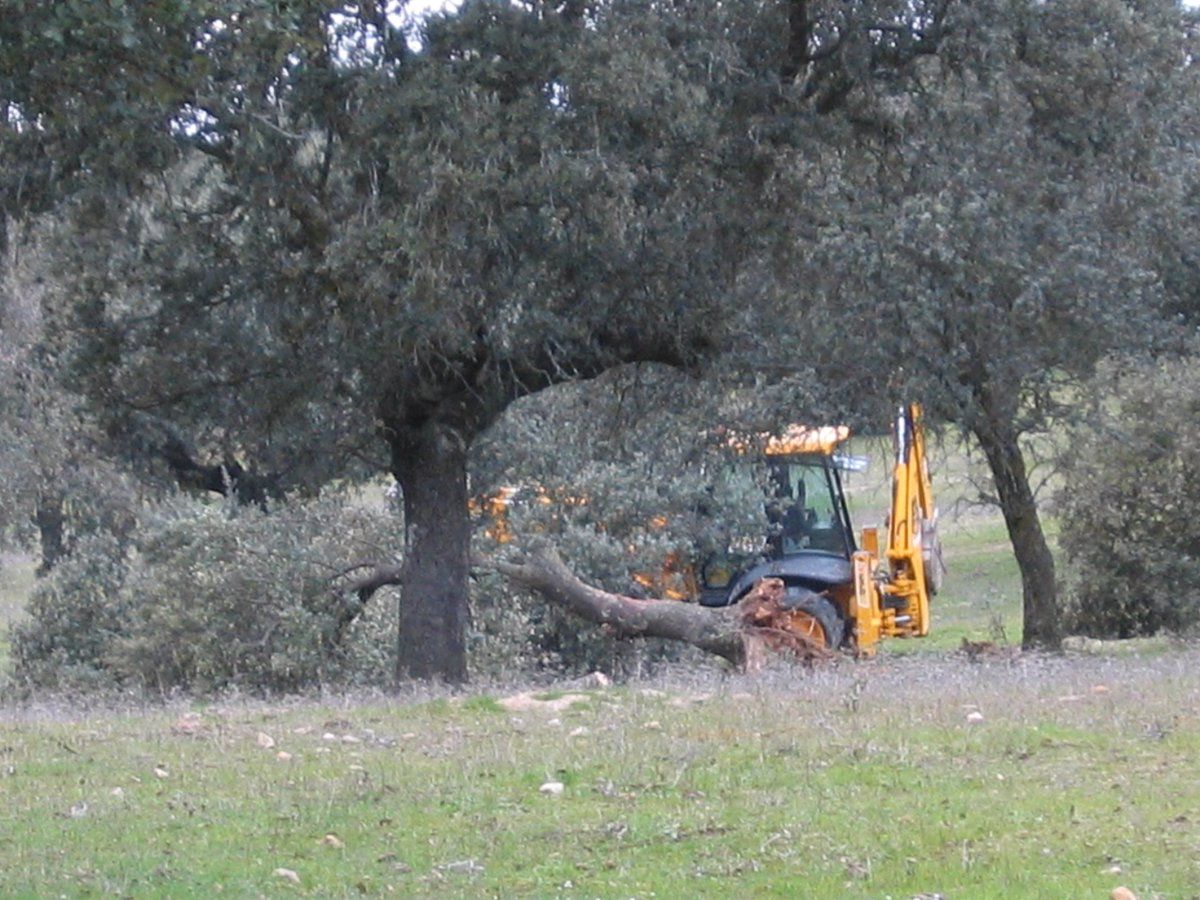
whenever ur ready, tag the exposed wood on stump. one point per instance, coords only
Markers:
(745, 634)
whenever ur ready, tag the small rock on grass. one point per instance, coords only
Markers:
(1123, 893)
(287, 875)
(553, 788)
(264, 740)
(462, 866)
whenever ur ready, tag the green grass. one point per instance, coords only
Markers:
(865, 780)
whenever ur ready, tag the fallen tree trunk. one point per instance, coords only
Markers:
(744, 634)
(349, 601)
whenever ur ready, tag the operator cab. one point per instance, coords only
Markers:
(810, 539)
(807, 511)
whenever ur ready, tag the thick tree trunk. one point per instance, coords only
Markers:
(431, 467)
(1042, 626)
(51, 524)
(743, 634)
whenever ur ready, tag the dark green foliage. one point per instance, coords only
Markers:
(209, 597)
(1131, 491)
(621, 474)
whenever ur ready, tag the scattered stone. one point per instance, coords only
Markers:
(1123, 893)
(351, 739)
(526, 701)
(329, 736)
(463, 867)
(283, 756)
(554, 723)
(117, 792)
(160, 772)
(79, 810)
(591, 680)
(332, 840)
(1100, 689)
(1113, 870)
(265, 741)
(287, 875)
(578, 732)
(653, 726)
(975, 716)
(553, 788)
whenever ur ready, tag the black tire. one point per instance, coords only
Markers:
(825, 614)
(932, 559)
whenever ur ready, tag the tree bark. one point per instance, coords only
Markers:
(430, 464)
(51, 524)
(1042, 627)
(743, 634)
(799, 28)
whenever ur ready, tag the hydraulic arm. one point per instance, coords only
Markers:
(892, 584)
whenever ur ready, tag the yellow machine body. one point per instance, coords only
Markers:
(893, 583)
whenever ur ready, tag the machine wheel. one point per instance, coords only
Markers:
(816, 618)
(931, 551)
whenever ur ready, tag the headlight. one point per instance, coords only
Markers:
(718, 572)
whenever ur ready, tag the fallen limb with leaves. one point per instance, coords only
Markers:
(745, 634)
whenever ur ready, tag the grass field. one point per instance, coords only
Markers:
(1035, 777)
(919, 773)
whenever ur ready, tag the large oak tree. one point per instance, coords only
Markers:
(351, 246)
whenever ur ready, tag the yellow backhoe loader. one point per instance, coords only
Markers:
(841, 591)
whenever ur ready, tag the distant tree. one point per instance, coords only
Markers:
(997, 228)
(59, 483)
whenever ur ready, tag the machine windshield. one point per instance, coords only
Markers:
(804, 506)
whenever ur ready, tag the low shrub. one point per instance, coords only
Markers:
(208, 596)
